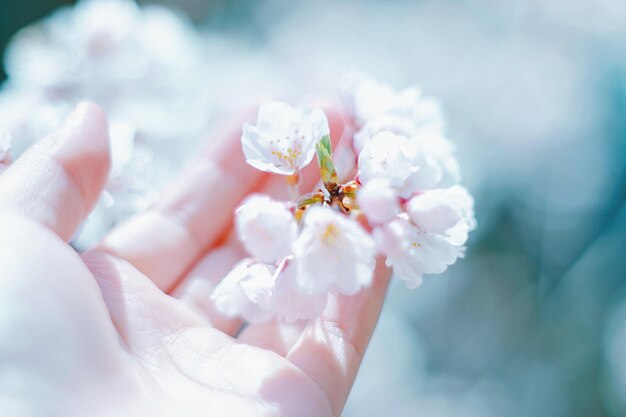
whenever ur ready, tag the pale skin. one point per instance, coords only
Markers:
(126, 328)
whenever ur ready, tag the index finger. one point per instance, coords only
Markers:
(331, 347)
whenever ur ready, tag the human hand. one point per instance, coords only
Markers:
(127, 328)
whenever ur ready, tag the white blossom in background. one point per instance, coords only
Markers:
(406, 189)
(408, 165)
(376, 108)
(283, 140)
(368, 99)
(146, 66)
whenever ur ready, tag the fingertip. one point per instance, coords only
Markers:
(58, 180)
(82, 146)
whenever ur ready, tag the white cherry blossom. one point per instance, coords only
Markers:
(369, 98)
(333, 253)
(434, 156)
(445, 211)
(407, 164)
(386, 157)
(423, 120)
(246, 292)
(378, 201)
(283, 140)
(430, 237)
(413, 252)
(266, 228)
(147, 66)
(372, 102)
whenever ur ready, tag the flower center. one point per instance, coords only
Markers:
(330, 235)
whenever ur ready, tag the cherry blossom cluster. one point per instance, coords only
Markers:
(402, 201)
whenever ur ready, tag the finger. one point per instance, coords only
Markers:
(50, 304)
(276, 335)
(192, 214)
(330, 348)
(142, 314)
(58, 180)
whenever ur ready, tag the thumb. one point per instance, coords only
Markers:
(58, 180)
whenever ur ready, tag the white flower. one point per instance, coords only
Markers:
(411, 125)
(400, 126)
(283, 140)
(407, 164)
(434, 156)
(246, 291)
(386, 157)
(266, 228)
(413, 252)
(378, 201)
(449, 212)
(430, 237)
(291, 302)
(333, 253)
(370, 100)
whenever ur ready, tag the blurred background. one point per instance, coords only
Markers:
(533, 322)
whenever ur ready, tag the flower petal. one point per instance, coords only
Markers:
(266, 228)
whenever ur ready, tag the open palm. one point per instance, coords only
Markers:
(127, 328)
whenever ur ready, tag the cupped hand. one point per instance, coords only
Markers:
(126, 328)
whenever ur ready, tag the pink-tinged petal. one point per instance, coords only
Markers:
(291, 302)
(266, 228)
(246, 292)
(379, 201)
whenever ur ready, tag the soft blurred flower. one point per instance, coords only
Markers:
(386, 157)
(145, 66)
(369, 99)
(283, 140)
